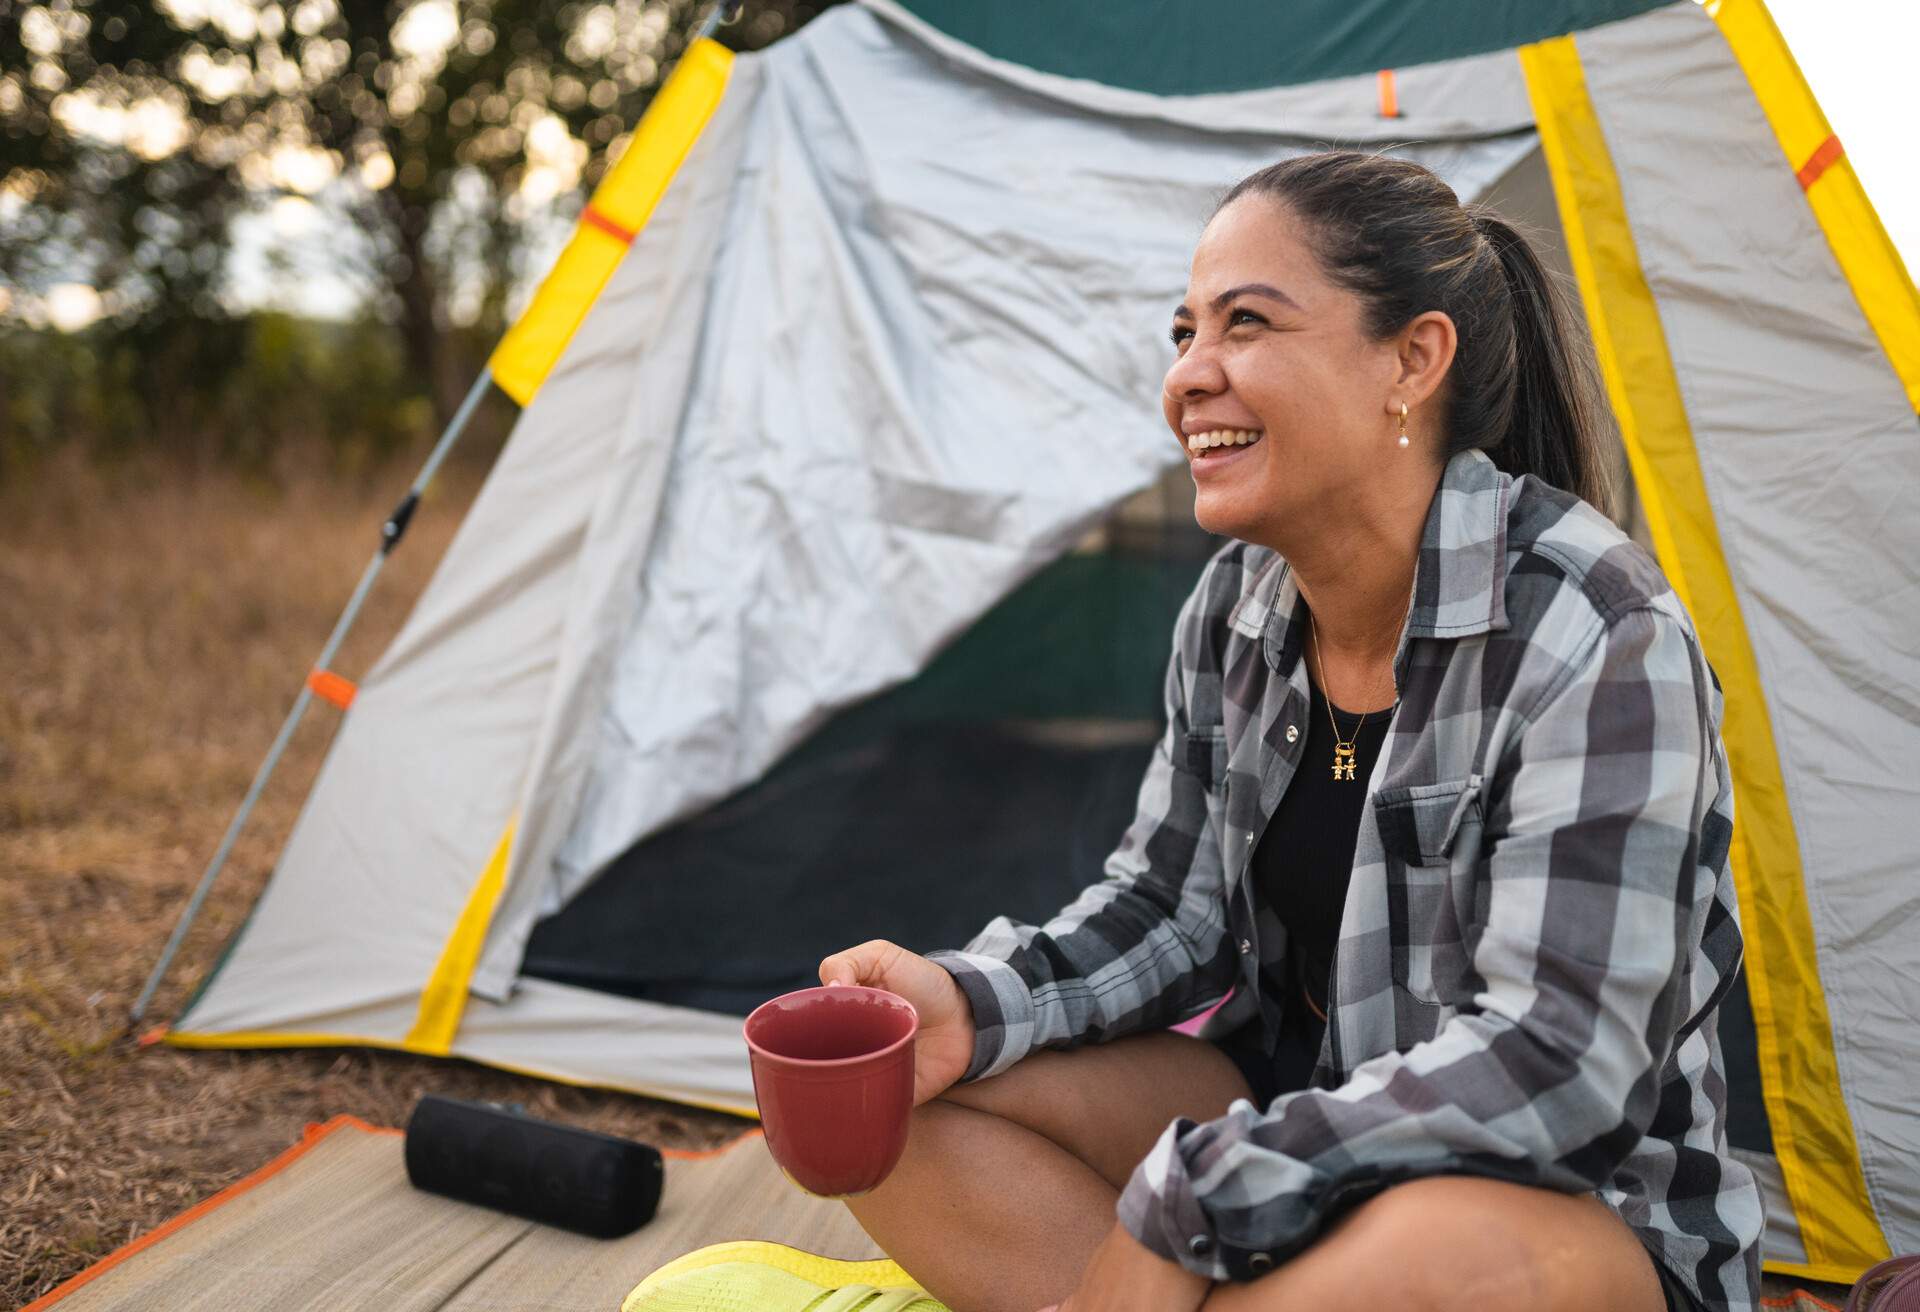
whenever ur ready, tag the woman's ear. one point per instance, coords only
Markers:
(1426, 348)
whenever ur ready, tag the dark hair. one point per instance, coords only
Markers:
(1523, 386)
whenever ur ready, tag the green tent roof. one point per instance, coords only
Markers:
(1177, 47)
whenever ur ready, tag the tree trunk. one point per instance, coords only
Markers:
(425, 344)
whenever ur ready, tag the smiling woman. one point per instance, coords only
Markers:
(1476, 346)
(1442, 813)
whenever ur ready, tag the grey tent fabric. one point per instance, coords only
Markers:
(1811, 458)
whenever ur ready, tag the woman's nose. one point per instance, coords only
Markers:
(1194, 374)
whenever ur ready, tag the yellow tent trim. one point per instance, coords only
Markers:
(1867, 256)
(445, 996)
(619, 209)
(278, 1039)
(1812, 1132)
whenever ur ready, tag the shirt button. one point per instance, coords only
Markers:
(1293, 733)
(1246, 946)
(1200, 1245)
(1260, 1263)
(1249, 840)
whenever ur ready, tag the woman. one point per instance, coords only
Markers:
(1442, 766)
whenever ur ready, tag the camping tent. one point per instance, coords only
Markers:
(823, 587)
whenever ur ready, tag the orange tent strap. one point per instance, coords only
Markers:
(1820, 161)
(330, 687)
(1389, 95)
(594, 218)
(314, 1134)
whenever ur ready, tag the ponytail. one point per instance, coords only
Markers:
(1556, 412)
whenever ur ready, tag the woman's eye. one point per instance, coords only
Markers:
(1244, 316)
(1181, 334)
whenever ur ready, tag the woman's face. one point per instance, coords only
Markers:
(1271, 353)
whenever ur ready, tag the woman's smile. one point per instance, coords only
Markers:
(1211, 451)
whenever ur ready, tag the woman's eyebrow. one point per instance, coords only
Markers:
(1258, 289)
(1254, 288)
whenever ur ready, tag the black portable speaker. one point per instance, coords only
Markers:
(579, 1180)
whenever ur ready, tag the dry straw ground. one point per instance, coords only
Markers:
(154, 627)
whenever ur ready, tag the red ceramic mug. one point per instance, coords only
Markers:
(833, 1074)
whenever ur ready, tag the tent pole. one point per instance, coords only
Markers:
(390, 534)
(723, 12)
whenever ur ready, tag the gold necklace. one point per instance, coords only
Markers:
(1344, 754)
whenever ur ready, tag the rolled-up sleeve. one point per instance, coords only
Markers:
(1548, 1071)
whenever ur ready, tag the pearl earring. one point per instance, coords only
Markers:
(1403, 423)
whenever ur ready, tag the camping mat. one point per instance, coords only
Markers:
(333, 1224)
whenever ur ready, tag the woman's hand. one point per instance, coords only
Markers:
(944, 1047)
(1126, 1277)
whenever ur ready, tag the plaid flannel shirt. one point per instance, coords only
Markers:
(1539, 929)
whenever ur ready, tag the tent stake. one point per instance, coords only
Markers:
(390, 534)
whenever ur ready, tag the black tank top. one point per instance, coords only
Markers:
(1301, 869)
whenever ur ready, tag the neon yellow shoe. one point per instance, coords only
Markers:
(753, 1276)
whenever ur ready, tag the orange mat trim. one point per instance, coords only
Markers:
(1824, 157)
(701, 1154)
(314, 1134)
(1796, 1298)
(330, 687)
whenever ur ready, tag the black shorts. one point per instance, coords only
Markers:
(1283, 1068)
(1678, 1299)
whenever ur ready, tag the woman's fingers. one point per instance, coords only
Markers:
(862, 965)
(945, 1045)
(839, 969)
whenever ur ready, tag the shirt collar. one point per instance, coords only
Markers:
(1459, 579)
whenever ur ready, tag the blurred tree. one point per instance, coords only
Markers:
(132, 136)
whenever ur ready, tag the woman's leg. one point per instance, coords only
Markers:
(1007, 1185)
(1457, 1243)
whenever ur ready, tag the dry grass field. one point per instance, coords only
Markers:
(155, 625)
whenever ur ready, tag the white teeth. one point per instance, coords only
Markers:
(1223, 437)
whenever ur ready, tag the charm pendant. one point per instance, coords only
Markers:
(1343, 760)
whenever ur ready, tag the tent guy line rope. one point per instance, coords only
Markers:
(390, 534)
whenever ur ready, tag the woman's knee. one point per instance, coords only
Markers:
(1107, 1104)
(1027, 1092)
(1452, 1242)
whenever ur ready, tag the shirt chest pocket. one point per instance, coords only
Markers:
(1430, 836)
(1205, 757)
